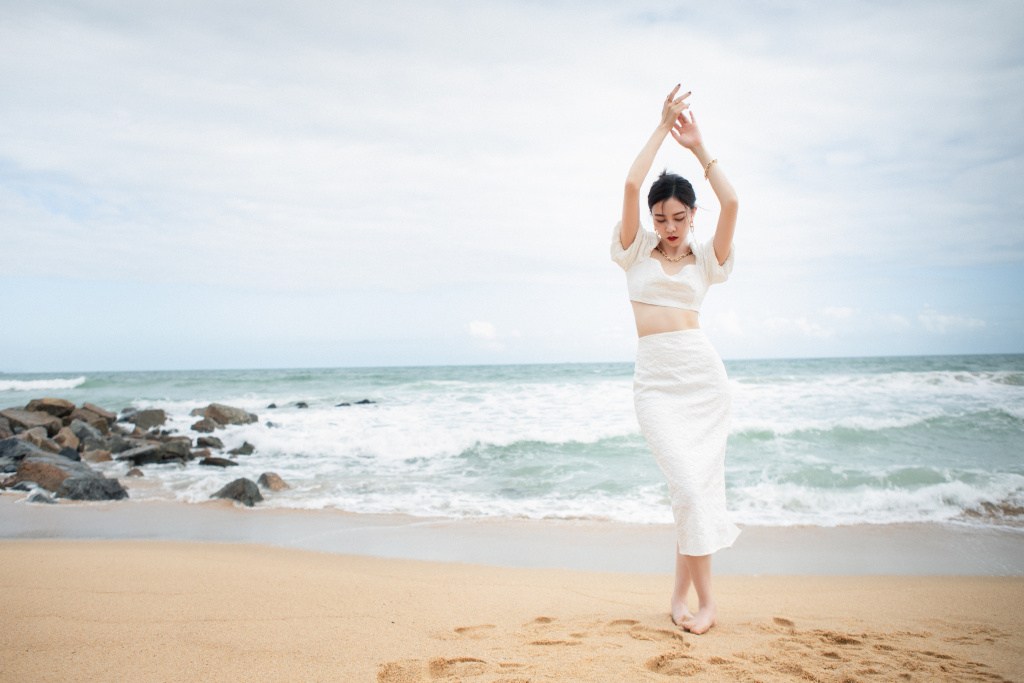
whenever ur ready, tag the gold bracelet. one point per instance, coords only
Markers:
(708, 167)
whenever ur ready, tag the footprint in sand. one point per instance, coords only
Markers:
(439, 667)
(475, 632)
(674, 664)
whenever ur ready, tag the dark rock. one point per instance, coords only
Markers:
(142, 455)
(364, 402)
(245, 449)
(343, 404)
(57, 407)
(205, 426)
(83, 430)
(177, 447)
(16, 448)
(89, 418)
(134, 472)
(209, 442)
(5, 428)
(70, 454)
(243, 490)
(119, 444)
(271, 406)
(8, 465)
(301, 404)
(269, 480)
(226, 415)
(27, 419)
(147, 419)
(108, 416)
(218, 462)
(91, 488)
(270, 424)
(40, 497)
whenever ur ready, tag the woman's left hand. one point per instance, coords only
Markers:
(685, 130)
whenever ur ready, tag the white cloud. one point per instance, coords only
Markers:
(936, 322)
(478, 329)
(838, 312)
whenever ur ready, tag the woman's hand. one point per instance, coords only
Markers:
(673, 108)
(685, 131)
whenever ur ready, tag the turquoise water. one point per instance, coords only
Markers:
(819, 441)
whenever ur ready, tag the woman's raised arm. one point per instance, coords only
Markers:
(687, 134)
(671, 110)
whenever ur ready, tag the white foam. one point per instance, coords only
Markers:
(40, 384)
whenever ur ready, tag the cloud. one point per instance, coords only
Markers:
(479, 329)
(936, 322)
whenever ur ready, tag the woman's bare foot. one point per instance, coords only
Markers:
(707, 616)
(680, 612)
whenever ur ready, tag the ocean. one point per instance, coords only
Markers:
(820, 442)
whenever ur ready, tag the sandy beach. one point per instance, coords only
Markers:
(155, 610)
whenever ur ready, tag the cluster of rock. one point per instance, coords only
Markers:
(49, 443)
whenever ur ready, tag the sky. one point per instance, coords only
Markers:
(213, 184)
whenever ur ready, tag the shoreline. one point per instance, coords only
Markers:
(907, 549)
(157, 610)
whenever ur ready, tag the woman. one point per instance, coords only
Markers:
(680, 388)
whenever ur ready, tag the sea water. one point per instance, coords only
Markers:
(814, 442)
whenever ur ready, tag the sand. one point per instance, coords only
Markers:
(156, 610)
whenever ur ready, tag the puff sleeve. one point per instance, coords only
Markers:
(641, 245)
(713, 271)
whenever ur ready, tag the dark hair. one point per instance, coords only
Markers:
(671, 185)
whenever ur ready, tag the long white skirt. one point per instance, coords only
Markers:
(683, 404)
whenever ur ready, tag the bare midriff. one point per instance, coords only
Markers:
(651, 319)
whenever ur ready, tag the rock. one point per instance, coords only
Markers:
(198, 412)
(16, 449)
(97, 455)
(364, 402)
(57, 407)
(5, 428)
(27, 419)
(206, 425)
(270, 425)
(50, 471)
(9, 482)
(209, 442)
(218, 462)
(40, 497)
(142, 455)
(200, 453)
(91, 488)
(243, 490)
(177, 447)
(147, 419)
(108, 416)
(134, 472)
(37, 437)
(301, 404)
(90, 418)
(245, 449)
(66, 438)
(343, 404)
(226, 415)
(119, 444)
(272, 406)
(70, 454)
(269, 480)
(84, 431)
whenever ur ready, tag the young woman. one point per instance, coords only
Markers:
(680, 388)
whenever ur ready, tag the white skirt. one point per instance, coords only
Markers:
(683, 405)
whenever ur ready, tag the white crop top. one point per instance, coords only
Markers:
(648, 283)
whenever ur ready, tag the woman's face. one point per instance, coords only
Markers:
(672, 219)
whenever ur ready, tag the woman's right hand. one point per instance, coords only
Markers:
(672, 108)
